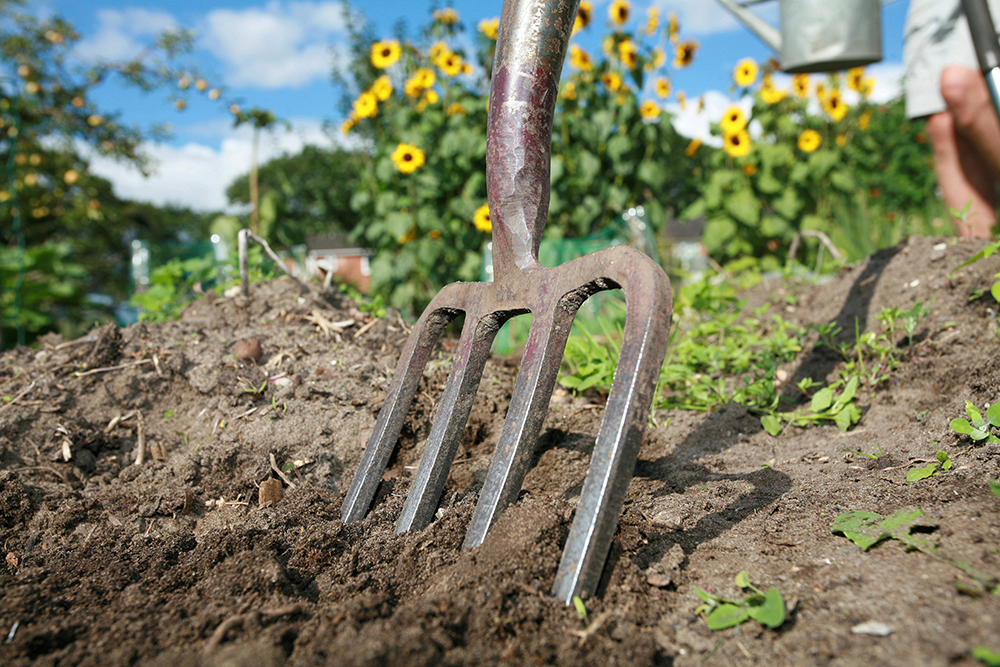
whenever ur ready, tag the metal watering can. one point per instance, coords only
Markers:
(818, 35)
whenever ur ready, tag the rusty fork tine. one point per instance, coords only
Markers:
(647, 329)
(529, 404)
(449, 422)
(391, 417)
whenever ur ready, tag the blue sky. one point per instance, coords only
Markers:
(279, 54)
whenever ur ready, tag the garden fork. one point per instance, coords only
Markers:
(530, 51)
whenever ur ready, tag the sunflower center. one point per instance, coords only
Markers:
(386, 53)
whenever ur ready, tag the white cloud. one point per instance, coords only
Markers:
(119, 32)
(278, 46)
(196, 175)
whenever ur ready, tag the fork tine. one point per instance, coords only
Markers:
(449, 423)
(647, 329)
(403, 386)
(528, 406)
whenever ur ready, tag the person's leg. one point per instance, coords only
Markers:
(962, 176)
(967, 148)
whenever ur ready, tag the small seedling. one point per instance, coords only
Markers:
(581, 609)
(995, 487)
(768, 608)
(931, 469)
(987, 656)
(866, 529)
(876, 454)
(168, 414)
(920, 414)
(824, 406)
(975, 426)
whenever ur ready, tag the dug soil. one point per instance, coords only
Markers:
(170, 495)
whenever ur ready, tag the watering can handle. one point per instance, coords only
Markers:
(531, 47)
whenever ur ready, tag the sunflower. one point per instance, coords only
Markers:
(437, 48)
(385, 53)
(652, 21)
(673, 27)
(580, 59)
(682, 99)
(749, 169)
(489, 27)
(450, 63)
(447, 16)
(628, 52)
(809, 141)
(569, 90)
(736, 144)
(366, 106)
(382, 88)
(855, 77)
(455, 109)
(649, 110)
(612, 81)
(584, 15)
(865, 119)
(481, 219)
(431, 96)
(692, 147)
(733, 120)
(841, 140)
(407, 158)
(769, 93)
(684, 53)
(618, 12)
(834, 105)
(348, 124)
(745, 73)
(662, 88)
(800, 84)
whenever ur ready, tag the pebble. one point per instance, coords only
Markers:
(874, 628)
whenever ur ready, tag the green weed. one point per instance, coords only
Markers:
(911, 527)
(976, 427)
(768, 608)
(943, 464)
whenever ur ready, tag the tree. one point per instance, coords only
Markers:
(47, 195)
(303, 194)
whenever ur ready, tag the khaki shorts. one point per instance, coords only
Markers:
(936, 36)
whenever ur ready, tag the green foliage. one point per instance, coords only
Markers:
(825, 405)
(866, 529)
(768, 608)
(803, 168)
(51, 286)
(976, 427)
(943, 464)
(909, 526)
(995, 487)
(610, 151)
(987, 656)
(309, 192)
(172, 286)
(987, 250)
(581, 608)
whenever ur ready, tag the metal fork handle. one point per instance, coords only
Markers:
(531, 48)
